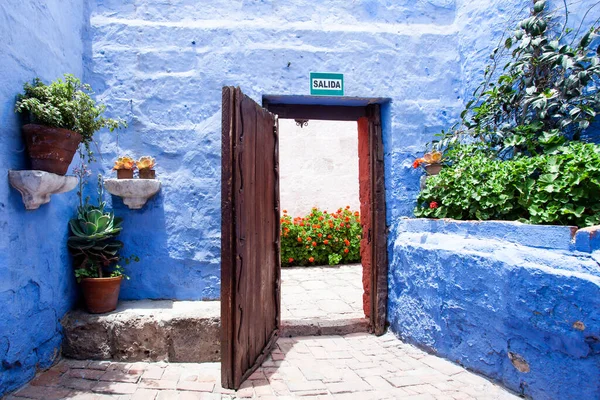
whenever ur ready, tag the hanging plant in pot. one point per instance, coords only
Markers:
(124, 166)
(60, 116)
(432, 162)
(95, 249)
(145, 167)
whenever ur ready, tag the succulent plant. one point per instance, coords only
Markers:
(124, 162)
(93, 242)
(146, 162)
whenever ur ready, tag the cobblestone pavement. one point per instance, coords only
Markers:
(322, 293)
(358, 366)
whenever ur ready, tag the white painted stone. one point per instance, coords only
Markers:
(36, 187)
(318, 165)
(135, 192)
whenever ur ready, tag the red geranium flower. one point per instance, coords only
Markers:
(433, 205)
(291, 260)
(299, 239)
(325, 241)
(346, 250)
(312, 259)
(314, 244)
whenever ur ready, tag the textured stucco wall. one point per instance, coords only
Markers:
(318, 166)
(162, 64)
(481, 293)
(36, 282)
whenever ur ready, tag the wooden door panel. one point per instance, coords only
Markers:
(250, 270)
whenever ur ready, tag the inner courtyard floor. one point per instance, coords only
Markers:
(354, 366)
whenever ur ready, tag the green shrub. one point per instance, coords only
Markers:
(562, 188)
(321, 238)
(66, 104)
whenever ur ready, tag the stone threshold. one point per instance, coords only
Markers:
(173, 331)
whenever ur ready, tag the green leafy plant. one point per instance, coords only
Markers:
(321, 238)
(93, 241)
(66, 104)
(561, 188)
(547, 93)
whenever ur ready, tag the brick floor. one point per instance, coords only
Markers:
(358, 366)
(322, 292)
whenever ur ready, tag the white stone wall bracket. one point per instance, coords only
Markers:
(36, 187)
(135, 192)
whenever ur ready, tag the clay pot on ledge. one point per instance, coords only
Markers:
(433, 169)
(147, 173)
(50, 149)
(101, 295)
(124, 174)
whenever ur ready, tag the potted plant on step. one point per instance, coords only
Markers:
(432, 162)
(95, 248)
(145, 167)
(124, 166)
(60, 116)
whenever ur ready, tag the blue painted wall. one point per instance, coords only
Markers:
(483, 293)
(36, 283)
(162, 66)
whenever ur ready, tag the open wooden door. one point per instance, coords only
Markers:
(250, 263)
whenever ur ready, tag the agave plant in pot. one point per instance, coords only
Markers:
(60, 116)
(95, 248)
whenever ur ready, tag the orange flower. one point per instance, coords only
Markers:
(329, 236)
(299, 239)
(325, 241)
(347, 219)
(291, 260)
(301, 223)
(308, 247)
(356, 213)
(342, 224)
(417, 162)
(308, 239)
(346, 242)
(320, 218)
(346, 250)
(347, 207)
(312, 259)
(285, 212)
(314, 244)
(318, 226)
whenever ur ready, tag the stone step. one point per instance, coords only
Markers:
(174, 331)
(322, 327)
(146, 330)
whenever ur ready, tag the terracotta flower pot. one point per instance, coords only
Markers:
(124, 174)
(50, 149)
(101, 294)
(433, 169)
(147, 173)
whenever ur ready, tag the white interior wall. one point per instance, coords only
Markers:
(318, 165)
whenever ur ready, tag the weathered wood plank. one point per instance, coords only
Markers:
(254, 271)
(378, 222)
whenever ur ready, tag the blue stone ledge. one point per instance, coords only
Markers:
(518, 303)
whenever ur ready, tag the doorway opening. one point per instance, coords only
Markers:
(366, 114)
(322, 288)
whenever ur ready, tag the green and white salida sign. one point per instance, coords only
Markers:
(326, 84)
